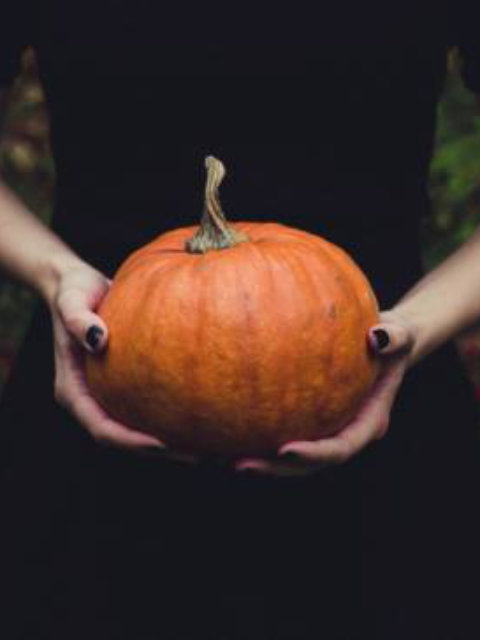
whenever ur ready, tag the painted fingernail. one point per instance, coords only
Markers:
(382, 338)
(93, 336)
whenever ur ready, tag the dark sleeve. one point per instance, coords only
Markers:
(465, 34)
(14, 37)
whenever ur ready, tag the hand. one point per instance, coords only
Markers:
(77, 327)
(371, 421)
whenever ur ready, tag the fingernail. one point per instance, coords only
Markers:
(382, 338)
(93, 336)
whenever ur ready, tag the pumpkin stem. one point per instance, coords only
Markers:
(214, 231)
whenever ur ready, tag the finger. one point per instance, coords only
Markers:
(84, 325)
(370, 423)
(71, 385)
(388, 338)
(107, 430)
(72, 392)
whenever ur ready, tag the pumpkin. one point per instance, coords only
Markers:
(233, 339)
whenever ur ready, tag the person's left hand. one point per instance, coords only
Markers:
(392, 340)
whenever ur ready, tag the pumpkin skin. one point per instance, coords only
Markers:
(235, 352)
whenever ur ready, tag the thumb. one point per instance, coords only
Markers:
(83, 324)
(390, 337)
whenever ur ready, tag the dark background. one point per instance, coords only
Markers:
(454, 185)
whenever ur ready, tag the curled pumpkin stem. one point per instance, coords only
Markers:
(214, 231)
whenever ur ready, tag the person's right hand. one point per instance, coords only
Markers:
(76, 327)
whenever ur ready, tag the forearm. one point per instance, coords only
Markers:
(445, 301)
(29, 250)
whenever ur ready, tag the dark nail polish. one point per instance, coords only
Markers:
(382, 337)
(93, 336)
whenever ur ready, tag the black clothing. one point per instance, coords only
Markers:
(324, 119)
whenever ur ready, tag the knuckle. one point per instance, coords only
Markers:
(70, 317)
(72, 323)
(62, 303)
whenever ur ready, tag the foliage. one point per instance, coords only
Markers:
(26, 164)
(454, 183)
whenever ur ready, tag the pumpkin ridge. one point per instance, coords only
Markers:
(239, 350)
(319, 292)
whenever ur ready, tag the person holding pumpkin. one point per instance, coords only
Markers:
(369, 533)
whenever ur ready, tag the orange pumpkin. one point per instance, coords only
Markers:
(238, 339)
